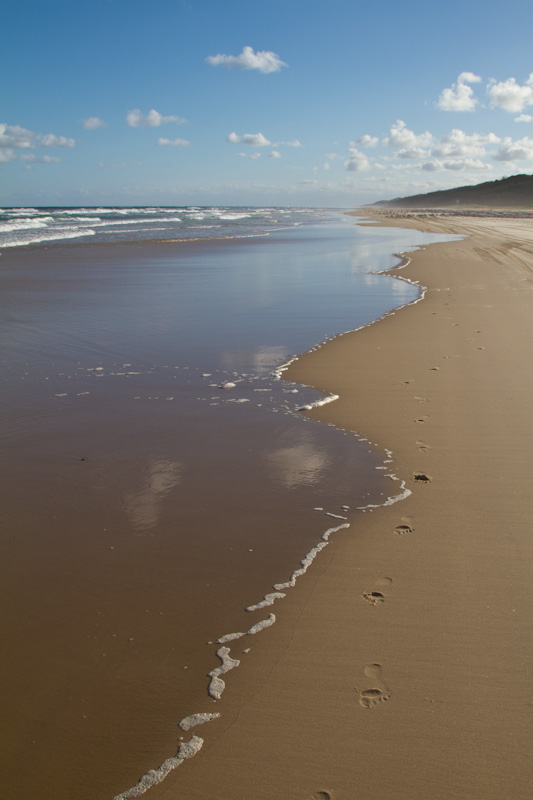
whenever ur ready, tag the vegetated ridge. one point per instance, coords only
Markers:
(514, 191)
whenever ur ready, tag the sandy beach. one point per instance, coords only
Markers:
(399, 664)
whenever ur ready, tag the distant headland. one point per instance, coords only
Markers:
(516, 191)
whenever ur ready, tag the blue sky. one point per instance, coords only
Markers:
(280, 102)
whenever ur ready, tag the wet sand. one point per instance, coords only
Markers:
(399, 664)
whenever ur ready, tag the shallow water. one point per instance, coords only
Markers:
(145, 507)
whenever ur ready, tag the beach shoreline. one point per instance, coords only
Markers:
(146, 504)
(399, 664)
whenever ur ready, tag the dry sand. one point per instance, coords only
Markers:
(398, 667)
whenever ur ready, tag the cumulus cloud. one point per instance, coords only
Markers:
(274, 154)
(459, 144)
(401, 136)
(466, 163)
(524, 118)
(251, 139)
(357, 162)
(521, 150)
(14, 138)
(510, 95)
(293, 143)
(264, 60)
(455, 165)
(151, 120)
(172, 142)
(432, 166)
(92, 123)
(411, 152)
(51, 140)
(365, 141)
(460, 96)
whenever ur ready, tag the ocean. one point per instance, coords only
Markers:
(159, 475)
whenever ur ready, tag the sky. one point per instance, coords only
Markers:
(325, 103)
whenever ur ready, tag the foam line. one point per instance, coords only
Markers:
(155, 776)
(196, 719)
(309, 558)
(217, 685)
(265, 623)
(329, 399)
(268, 600)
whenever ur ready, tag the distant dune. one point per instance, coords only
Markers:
(516, 191)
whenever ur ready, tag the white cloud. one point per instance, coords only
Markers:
(92, 123)
(151, 120)
(524, 118)
(172, 142)
(365, 141)
(14, 138)
(251, 139)
(466, 163)
(294, 143)
(264, 60)
(255, 155)
(401, 136)
(51, 140)
(521, 150)
(357, 162)
(31, 158)
(432, 166)
(455, 165)
(332, 156)
(411, 152)
(458, 144)
(274, 154)
(460, 97)
(509, 95)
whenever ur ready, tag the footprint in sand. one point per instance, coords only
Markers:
(406, 526)
(375, 598)
(379, 692)
(321, 796)
(423, 419)
(421, 477)
(420, 399)
(401, 529)
(422, 446)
